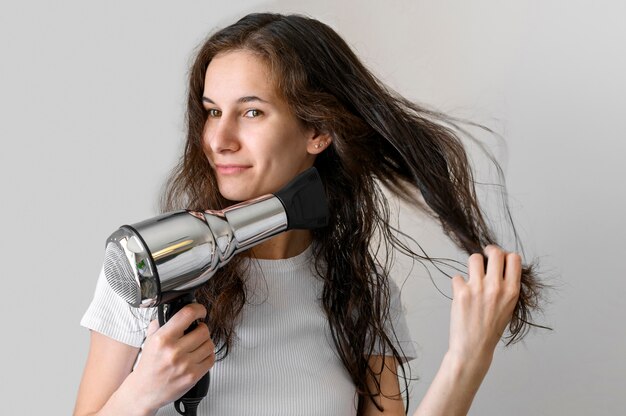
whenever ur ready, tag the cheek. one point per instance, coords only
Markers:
(291, 141)
(269, 146)
(284, 154)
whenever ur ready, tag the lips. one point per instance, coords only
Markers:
(230, 168)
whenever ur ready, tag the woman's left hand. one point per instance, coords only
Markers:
(483, 305)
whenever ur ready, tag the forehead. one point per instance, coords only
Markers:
(237, 71)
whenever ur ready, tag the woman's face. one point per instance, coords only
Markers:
(251, 138)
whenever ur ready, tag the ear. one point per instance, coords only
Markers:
(318, 142)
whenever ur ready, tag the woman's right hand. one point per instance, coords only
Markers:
(171, 361)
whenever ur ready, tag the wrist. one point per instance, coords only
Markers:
(136, 401)
(454, 387)
(468, 367)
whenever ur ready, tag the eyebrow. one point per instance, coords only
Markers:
(246, 99)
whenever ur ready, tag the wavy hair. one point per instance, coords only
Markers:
(380, 139)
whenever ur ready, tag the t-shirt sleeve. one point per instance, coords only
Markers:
(396, 327)
(110, 315)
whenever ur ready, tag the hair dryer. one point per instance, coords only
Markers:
(163, 260)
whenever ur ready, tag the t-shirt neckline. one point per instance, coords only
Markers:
(285, 264)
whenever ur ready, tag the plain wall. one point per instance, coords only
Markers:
(92, 97)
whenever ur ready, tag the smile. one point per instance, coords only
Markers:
(231, 169)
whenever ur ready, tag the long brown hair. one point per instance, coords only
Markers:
(379, 138)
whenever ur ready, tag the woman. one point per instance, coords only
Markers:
(308, 322)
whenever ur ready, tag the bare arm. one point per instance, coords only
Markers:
(390, 399)
(171, 363)
(108, 365)
(481, 309)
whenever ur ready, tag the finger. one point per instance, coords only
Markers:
(205, 351)
(457, 282)
(195, 338)
(513, 269)
(495, 263)
(458, 286)
(476, 267)
(209, 361)
(178, 324)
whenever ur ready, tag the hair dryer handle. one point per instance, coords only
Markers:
(194, 396)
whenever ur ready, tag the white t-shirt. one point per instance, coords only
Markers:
(283, 361)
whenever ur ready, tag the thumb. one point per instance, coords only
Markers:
(152, 327)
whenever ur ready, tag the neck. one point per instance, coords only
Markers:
(284, 245)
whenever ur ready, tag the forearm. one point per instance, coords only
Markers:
(454, 387)
(124, 401)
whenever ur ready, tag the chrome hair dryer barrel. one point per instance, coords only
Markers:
(163, 260)
(154, 261)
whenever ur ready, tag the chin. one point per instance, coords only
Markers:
(238, 195)
(234, 197)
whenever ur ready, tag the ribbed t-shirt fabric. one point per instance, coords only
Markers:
(283, 361)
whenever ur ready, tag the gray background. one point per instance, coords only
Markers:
(92, 99)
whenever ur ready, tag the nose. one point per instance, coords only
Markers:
(220, 135)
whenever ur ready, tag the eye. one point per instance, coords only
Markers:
(252, 113)
(212, 112)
